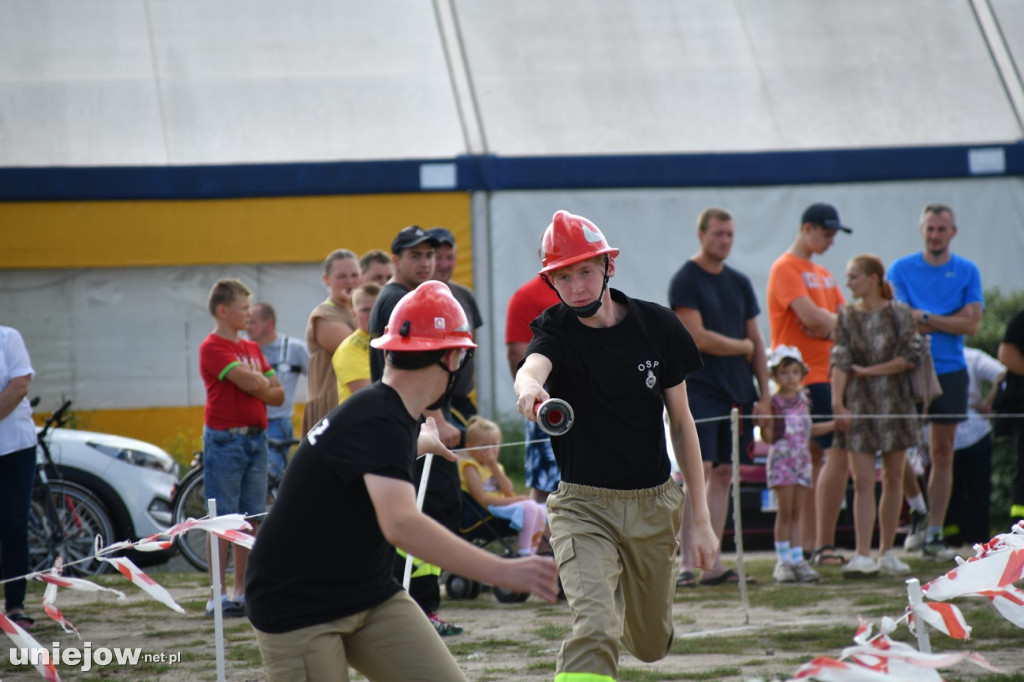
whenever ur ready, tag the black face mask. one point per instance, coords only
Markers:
(590, 309)
(452, 378)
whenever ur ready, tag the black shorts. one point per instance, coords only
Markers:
(821, 410)
(953, 400)
(715, 436)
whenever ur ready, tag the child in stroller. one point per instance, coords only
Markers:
(484, 479)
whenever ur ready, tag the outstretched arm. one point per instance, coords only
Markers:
(529, 384)
(394, 502)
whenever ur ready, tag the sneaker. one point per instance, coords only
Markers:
(860, 566)
(804, 572)
(938, 550)
(443, 627)
(890, 564)
(916, 535)
(229, 608)
(784, 573)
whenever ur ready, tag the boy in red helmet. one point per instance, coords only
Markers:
(619, 362)
(320, 589)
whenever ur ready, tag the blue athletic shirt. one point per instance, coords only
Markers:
(939, 290)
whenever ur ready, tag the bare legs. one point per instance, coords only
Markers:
(940, 481)
(863, 467)
(829, 490)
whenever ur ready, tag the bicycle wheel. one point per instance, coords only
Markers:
(190, 502)
(79, 517)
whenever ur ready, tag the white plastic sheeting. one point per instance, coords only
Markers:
(129, 337)
(656, 231)
(155, 82)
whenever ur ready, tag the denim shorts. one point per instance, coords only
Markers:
(235, 471)
(279, 428)
(540, 466)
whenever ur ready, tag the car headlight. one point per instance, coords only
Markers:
(137, 457)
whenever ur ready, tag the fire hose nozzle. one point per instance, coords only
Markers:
(554, 416)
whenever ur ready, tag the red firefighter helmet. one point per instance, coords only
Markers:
(570, 239)
(426, 318)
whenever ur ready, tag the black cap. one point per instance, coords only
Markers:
(411, 236)
(825, 215)
(442, 235)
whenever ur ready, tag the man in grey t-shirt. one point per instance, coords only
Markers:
(289, 358)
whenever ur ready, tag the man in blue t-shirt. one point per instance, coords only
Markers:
(945, 292)
(717, 305)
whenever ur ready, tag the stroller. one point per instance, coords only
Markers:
(485, 530)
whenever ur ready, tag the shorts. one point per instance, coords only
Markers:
(953, 400)
(539, 465)
(821, 410)
(715, 435)
(235, 471)
(279, 428)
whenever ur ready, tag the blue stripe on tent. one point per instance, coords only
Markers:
(492, 173)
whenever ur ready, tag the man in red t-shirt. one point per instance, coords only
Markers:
(529, 301)
(239, 386)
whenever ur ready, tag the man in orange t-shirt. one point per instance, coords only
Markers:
(803, 299)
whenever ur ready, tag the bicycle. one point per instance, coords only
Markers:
(65, 518)
(189, 501)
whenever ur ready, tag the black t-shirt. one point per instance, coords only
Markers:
(464, 385)
(320, 554)
(1015, 334)
(387, 299)
(726, 302)
(613, 378)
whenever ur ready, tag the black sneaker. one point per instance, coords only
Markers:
(915, 539)
(228, 608)
(443, 627)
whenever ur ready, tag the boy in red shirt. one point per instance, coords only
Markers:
(239, 385)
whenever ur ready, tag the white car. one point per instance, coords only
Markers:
(116, 487)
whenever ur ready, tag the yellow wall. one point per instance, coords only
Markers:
(95, 234)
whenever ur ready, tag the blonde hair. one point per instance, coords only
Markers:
(477, 427)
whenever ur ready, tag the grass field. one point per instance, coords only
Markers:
(716, 637)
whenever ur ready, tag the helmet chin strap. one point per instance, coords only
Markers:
(452, 378)
(590, 309)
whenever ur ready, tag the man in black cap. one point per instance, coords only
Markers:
(444, 265)
(413, 250)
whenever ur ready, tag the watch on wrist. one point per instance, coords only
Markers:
(925, 317)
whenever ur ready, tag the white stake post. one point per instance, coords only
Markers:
(428, 460)
(737, 521)
(218, 614)
(924, 645)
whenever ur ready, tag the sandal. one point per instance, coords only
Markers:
(23, 621)
(686, 579)
(827, 556)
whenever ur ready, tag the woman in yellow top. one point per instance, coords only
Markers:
(328, 325)
(351, 360)
(485, 480)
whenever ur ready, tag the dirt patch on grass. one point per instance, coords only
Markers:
(716, 638)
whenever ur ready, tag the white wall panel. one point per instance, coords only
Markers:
(656, 231)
